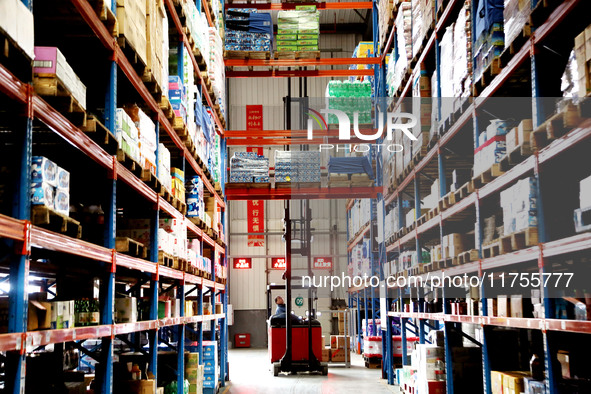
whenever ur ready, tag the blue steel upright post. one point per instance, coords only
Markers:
(180, 346)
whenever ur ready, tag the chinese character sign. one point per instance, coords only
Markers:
(278, 263)
(254, 118)
(323, 263)
(256, 212)
(256, 223)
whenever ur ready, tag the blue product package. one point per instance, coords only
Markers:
(209, 369)
(43, 194)
(176, 95)
(62, 202)
(43, 170)
(63, 179)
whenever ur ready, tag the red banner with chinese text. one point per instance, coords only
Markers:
(254, 118)
(256, 212)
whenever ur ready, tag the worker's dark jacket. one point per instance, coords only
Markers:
(280, 314)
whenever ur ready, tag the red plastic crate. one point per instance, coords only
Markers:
(242, 340)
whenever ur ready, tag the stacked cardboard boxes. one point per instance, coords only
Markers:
(157, 42)
(210, 365)
(340, 350)
(519, 204)
(510, 382)
(423, 16)
(520, 136)
(491, 146)
(583, 56)
(194, 373)
(131, 16)
(428, 360)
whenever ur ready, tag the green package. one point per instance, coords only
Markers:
(307, 48)
(287, 48)
(287, 37)
(284, 31)
(286, 43)
(308, 31)
(307, 42)
(307, 36)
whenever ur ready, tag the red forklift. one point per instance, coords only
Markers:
(296, 345)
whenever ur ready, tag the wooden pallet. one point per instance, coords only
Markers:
(166, 108)
(48, 218)
(60, 98)
(248, 185)
(294, 55)
(14, 58)
(556, 126)
(99, 133)
(137, 62)
(447, 201)
(103, 11)
(200, 59)
(488, 75)
(422, 220)
(198, 222)
(350, 180)
(488, 175)
(491, 250)
(514, 47)
(151, 82)
(433, 213)
(519, 240)
(519, 154)
(165, 259)
(464, 191)
(129, 163)
(258, 55)
(150, 179)
(468, 256)
(542, 11)
(131, 247)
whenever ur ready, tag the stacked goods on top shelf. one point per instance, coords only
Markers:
(53, 75)
(350, 97)
(385, 10)
(216, 68)
(249, 167)
(423, 17)
(516, 18)
(298, 30)
(583, 70)
(491, 146)
(297, 166)
(50, 185)
(519, 204)
(456, 63)
(490, 38)
(17, 22)
(131, 17)
(403, 27)
(157, 44)
(198, 26)
(247, 30)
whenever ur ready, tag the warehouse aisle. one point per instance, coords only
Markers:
(251, 373)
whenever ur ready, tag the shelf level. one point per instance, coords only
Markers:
(336, 5)
(313, 193)
(336, 61)
(576, 326)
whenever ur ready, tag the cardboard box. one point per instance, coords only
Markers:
(496, 382)
(141, 386)
(338, 355)
(337, 341)
(564, 359)
(512, 139)
(503, 306)
(513, 382)
(492, 306)
(39, 315)
(192, 360)
(516, 305)
(326, 351)
(588, 43)
(192, 374)
(62, 314)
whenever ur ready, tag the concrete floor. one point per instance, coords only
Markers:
(251, 373)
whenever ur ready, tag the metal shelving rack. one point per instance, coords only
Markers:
(530, 166)
(24, 236)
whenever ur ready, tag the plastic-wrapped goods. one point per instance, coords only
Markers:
(247, 30)
(131, 18)
(519, 204)
(157, 41)
(492, 146)
(403, 26)
(304, 24)
(50, 62)
(384, 14)
(516, 17)
(50, 185)
(216, 68)
(489, 35)
(462, 52)
(297, 166)
(249, 167)
(350, 97)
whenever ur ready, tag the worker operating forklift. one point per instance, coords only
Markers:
(295, 345)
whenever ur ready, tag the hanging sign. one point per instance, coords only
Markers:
(256, 214)
(323, 263)
(278, 263)
(242, 263)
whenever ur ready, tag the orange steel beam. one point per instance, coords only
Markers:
(355, 5)
(298, 73)
(337, 61)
